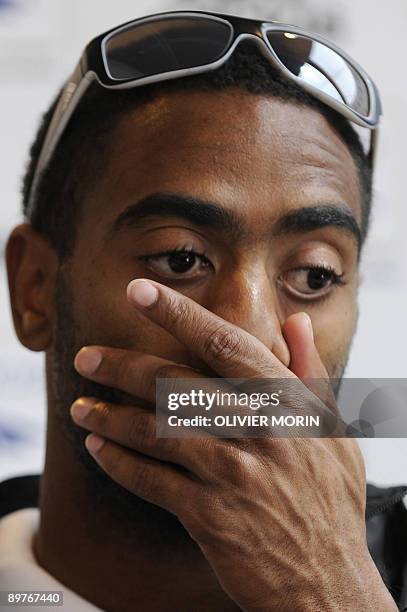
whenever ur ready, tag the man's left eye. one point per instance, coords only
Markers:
(182, 263)
(310, 282)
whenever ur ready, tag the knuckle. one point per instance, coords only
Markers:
(172, 374)
(215, 523)
(225, 455)
(141, 480)
(198, 524)
(243, 466)
(168, 370)
(171, 446)
(216, 455)
(111, 461)
(222, 343)
(102, 411)
(139, 432)
(232, 463)
(122, 368)
(177, 311)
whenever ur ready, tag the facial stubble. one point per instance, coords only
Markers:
(129, 513)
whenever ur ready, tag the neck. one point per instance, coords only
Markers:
(103, 562)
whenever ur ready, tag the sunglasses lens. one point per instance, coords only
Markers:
(164, 45)
(320, 66)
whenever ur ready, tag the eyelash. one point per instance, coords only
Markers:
(337, 280)
(184, 249)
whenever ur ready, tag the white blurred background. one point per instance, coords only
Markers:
(40, 41)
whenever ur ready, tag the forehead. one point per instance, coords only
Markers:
(255, 154)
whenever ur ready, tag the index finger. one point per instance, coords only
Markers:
(226, 348)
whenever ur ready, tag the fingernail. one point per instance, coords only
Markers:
(94, 443)
(87, 360)
(81, 408)
(142, 292)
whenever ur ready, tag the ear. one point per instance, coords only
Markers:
(32, 265)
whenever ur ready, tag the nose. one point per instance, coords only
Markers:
(248, 299)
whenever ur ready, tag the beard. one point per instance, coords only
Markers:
(130, 514)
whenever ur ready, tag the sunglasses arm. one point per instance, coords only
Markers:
(68, 100)
(372, 155)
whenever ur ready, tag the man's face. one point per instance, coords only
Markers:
(258, 158)
(285, 179)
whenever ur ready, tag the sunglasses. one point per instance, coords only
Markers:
(177, 43)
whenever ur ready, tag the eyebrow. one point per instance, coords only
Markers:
(311, 218)
(210, 215)
(168, 204)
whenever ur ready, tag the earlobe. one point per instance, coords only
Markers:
(31, 268)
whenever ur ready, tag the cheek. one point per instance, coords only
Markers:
(104, 316)
(333, 331)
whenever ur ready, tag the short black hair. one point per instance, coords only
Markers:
(70, 173)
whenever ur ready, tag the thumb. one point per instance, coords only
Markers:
(305, 361)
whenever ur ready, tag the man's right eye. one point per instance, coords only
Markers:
(178, 264)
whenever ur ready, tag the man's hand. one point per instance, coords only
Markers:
(280, 521)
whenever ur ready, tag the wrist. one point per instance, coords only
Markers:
(348, 580)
